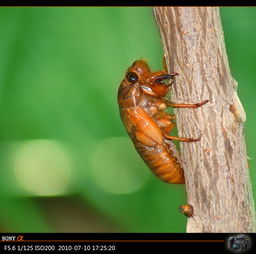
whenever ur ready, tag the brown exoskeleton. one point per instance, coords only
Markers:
(187, 210)
(141, 99)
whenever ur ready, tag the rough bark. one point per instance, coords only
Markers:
(216, 170)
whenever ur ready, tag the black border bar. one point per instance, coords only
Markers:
(118, 242)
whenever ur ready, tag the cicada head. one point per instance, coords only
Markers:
(130, 92)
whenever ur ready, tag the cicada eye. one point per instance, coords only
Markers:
(132, 77)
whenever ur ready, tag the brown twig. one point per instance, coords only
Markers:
(216, 169)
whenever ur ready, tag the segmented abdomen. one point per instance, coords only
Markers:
(162, 162)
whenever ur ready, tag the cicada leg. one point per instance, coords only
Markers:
(164, 121)
(193, 105)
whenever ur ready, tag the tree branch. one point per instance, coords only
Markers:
(216, 170)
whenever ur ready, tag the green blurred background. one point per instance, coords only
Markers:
(66, 162)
